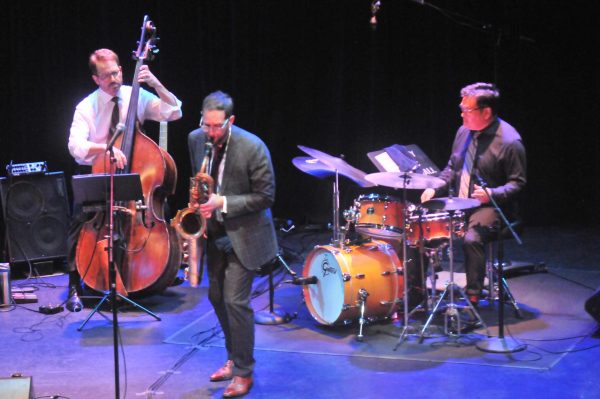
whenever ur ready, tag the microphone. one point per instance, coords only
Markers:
(481, 182)
(74, 303)
(304, 280)
(118, 131)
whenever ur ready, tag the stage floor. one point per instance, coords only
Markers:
(173, 358)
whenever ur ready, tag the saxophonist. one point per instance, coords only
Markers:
(240, 231)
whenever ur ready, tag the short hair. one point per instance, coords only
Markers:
(218, 101)
(102, 54)
(487, 95)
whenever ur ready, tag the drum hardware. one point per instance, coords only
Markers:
(362, 299)
(330, 165)
(451, 314)
(404, 181)
(494, 284)
(275, 316)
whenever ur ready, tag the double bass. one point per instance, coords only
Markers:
(146, 251)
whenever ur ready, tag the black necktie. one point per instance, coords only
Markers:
(465, 178)
(114, 119)
(216, 161)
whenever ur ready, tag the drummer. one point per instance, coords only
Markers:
(490, 148)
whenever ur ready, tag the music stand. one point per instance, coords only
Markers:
(92, 192)
(102, 190)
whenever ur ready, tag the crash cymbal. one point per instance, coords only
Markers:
(338, 164)
(451, 204)
(313, 167)
(412, 181)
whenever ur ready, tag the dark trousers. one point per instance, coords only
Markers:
(230, 285)
(78, 219)
(478, 234)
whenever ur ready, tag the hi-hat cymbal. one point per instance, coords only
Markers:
(336, 164)
(451, 204)
(407, 180)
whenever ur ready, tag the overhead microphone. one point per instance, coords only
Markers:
(375, 6)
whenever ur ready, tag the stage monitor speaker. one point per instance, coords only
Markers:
(592, 305)
(16, 388)
(36, 216)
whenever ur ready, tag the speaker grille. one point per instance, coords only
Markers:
(36, 215)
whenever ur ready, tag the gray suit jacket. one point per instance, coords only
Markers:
(249, 185)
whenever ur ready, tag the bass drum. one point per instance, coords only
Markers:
(342, 272)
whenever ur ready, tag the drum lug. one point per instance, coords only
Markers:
(360, 276)
(386, 303)
(346, 277)
(386, 273)
(399, 271)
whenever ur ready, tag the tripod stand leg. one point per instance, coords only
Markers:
(96, 309)
(106, 298)
(433, 312)
(511, 298)
(137, 305)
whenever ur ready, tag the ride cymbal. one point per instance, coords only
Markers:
(406, 180)
(336, 164)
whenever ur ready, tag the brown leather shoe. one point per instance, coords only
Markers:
(238, 387)
(224, 373)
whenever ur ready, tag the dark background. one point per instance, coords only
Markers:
(315, 73)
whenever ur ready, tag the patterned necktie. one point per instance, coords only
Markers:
(465, 177)
(114, 119)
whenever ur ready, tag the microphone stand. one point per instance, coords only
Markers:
(112, 272)
(499, 344)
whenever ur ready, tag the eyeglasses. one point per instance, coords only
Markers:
(105, 76)
(208, 128)
(468, 110)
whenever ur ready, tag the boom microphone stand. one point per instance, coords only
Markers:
(500, 344)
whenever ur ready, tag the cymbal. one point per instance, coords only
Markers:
(451, 204)
(397, 180)
(334, 164)
(312, 166)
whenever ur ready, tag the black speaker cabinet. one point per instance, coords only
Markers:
(592, 305)
(36, 216)
(16, 388)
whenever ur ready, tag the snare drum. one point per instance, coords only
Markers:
(342, 272)
(435, 227)
(379, 216)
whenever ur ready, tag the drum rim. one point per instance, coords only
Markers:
(379, 197)
(376, 226)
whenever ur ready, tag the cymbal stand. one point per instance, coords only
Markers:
(421, 248)
(405, 327)
(336, 240)
(451, 312)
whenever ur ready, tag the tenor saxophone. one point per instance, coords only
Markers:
(189, 223)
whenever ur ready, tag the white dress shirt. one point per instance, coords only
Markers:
(91, 120)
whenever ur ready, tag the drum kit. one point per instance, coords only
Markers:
(359, 275)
